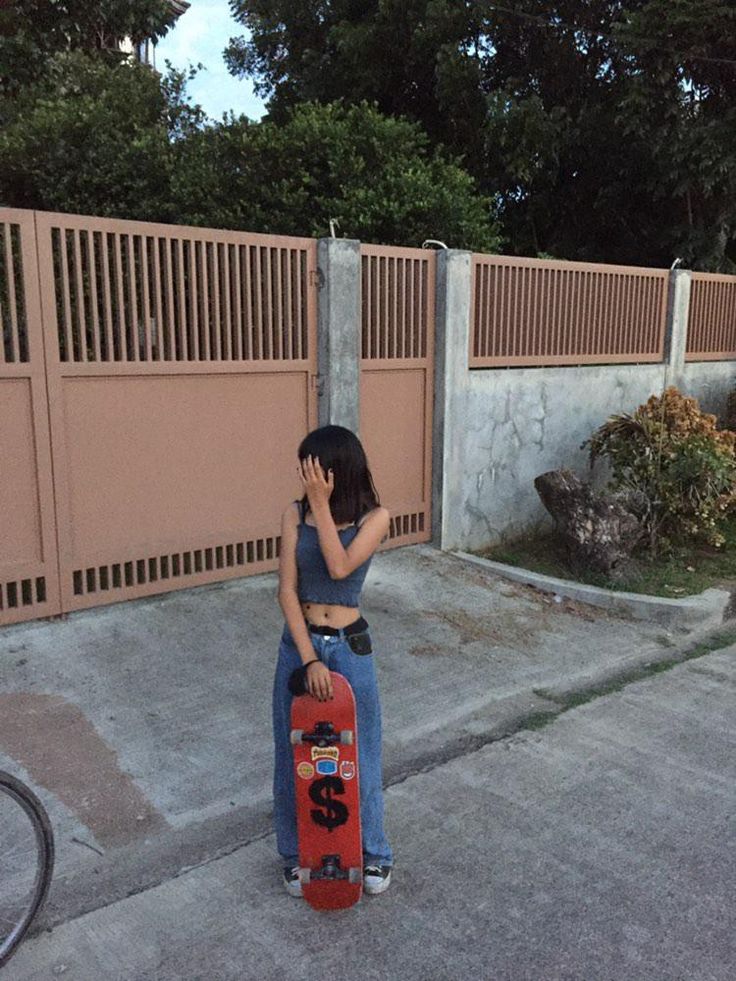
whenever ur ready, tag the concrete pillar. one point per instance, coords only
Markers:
(452, 334)
(676, 331)
(339, 332)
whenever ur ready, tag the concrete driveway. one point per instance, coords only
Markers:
(597, 848)
(145, 726)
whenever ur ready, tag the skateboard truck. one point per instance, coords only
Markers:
(324, 733)
(331, 870)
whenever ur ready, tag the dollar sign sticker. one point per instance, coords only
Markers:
(335, 813)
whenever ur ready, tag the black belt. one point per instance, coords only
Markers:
(357, 626)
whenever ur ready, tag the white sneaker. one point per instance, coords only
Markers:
(292, 881)
(376, 878)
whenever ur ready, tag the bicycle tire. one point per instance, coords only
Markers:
(25, 798)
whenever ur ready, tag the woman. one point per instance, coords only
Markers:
(327, 543)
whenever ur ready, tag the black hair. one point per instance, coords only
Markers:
(340, 450)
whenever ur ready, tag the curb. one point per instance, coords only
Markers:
(493, 719)
(704, 610)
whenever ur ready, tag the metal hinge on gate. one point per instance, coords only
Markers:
(316, 278)
(318, 382)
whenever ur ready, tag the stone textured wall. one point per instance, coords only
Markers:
(710, 382)
(521, 422)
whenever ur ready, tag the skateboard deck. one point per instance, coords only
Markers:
(324, 737)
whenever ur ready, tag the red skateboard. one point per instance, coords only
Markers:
(325, 740)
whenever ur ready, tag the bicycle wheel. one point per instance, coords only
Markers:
(26, 861)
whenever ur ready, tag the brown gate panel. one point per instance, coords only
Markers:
(542, 312)
(181, 371)
(711, 322)
(397, 384)
(29, 575)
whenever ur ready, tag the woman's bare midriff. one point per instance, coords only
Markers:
(330, 614)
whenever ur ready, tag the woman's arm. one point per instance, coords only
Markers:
(318, 678)
(288, 597)
(341, 561)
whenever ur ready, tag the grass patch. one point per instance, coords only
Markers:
(538, 720)
(722, 638)
(689, 569)
(715, 642)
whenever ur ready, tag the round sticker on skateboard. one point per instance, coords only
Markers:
(326, 767)
(347, 769)
(305, 771)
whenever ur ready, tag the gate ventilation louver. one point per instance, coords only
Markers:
(198, 561)
(24, 592)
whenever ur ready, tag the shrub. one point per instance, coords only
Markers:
(676, 469)
(731, 410)
(377, 174)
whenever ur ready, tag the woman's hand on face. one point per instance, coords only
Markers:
(319, 681)
(314, 484)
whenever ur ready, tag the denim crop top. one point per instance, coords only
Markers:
(315, 584)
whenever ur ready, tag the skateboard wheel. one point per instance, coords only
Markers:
(346, 737)
(296, 736)
(304, 876)
(355, 875)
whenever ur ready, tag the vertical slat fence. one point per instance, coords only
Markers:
(29, 572)
(397, 383)
(543, 312)
(711, 331)
(181, 381)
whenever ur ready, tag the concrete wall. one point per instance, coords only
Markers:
(516, 423)
(521, 422)
(710, 382)
(339, 333)
(496, 429)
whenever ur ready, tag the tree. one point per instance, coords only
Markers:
(375, 174)
(683, 96)
(580, 116)
(414, 58)
(94, 138)
(118, 140)
(33, 31)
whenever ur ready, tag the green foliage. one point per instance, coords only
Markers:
(731, 410)
(602, 127)
(684, 98)
(88, 130)
(410, 57)
(374, 174)
(677, 470)
(33, 31)
(92, 138)
(85, 128)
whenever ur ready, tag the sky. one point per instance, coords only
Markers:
(201, 34)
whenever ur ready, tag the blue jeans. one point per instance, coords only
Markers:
(360, 671)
